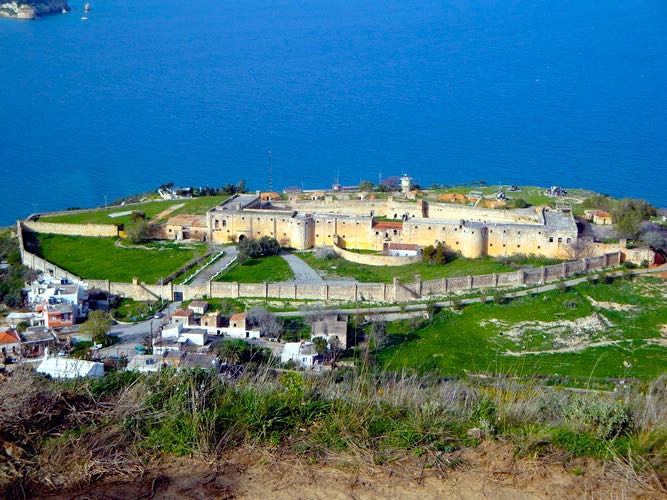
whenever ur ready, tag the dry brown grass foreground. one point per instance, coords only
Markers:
(491, 470)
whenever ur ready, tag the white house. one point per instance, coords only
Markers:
(193, 336)
(302, 353)
(49, 290)
(143, 363)
(62, 367)
(238, 328)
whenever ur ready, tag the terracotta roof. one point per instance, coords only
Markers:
(388, 225)
(237, 317)
(8, 338)
(402, 246)
(601, 213)
(183, 312)
(187, 220)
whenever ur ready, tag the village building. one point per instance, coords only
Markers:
(601, 217)
(144, 363)
(10, 344)
(330, 327)
(36, 340)
(303, 354)
(198, 306)
(49, 291)
(183, 316)
(186, 227)
(61, 315)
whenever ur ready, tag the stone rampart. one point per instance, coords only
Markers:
(374, 259)
(93, 230)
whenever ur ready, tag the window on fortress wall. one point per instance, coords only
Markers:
(551, 239)
(416, 227)
(377, 233)
(518, 246)
(518, 232)
(504, 245)
(216, 224)
(538, 247)
(224, 223)
(317, 236)
(490, 244)
(560, 240)
(568, 240)
(395, 232)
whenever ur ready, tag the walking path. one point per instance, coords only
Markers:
(207, 274)
(303, 273)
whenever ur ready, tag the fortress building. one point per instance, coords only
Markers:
(376, 224)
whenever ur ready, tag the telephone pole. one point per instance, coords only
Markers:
(270, 170)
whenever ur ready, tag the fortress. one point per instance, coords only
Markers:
(324, 220)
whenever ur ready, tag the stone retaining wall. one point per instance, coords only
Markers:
(94, 230)
(374, 259)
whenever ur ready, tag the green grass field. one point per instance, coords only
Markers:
(99, 258)
(626, 342)
(338, 267)
(272, 269)
(195, 206)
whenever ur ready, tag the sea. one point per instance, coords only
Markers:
(307, 92)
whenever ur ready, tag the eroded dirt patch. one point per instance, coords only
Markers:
(491, 470)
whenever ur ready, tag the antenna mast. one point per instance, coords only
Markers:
(270, 170)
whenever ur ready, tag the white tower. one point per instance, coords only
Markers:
(406, 183)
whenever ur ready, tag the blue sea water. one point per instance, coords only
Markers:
(568, 92)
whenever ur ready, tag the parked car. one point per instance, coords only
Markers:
(159, 315)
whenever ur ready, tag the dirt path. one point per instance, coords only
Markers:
(491, 470)
(165, 213)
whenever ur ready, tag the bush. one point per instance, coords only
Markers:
(606, 419)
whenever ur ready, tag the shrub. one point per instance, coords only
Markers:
(606, 419)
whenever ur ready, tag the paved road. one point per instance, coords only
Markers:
(303, 273)
(207, 274)
(422, 307)
(134, 335)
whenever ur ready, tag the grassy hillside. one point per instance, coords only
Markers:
(194, 206)
(589, 333)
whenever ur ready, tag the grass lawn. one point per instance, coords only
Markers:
(479, 338)
(273, 268)
(338, 267)
(133, 310)
(532, 194)
(195, 206)
(99, 258)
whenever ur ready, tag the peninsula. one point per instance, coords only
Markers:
(32, 9)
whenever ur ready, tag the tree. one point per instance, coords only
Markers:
(517, 203)
(231, 352)
(267, 323)
(320, 344)
(269, 246)
(138, 231)
(241, 187)
(97, 327)
(336, 349)
(249, 248)
(366, 186)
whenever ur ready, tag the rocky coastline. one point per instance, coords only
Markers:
(32, 9)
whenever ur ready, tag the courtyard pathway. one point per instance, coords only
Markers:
(206, 274)
(303, 273)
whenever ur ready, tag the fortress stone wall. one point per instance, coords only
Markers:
(370, 225)
(94, 230)
(329, 292)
